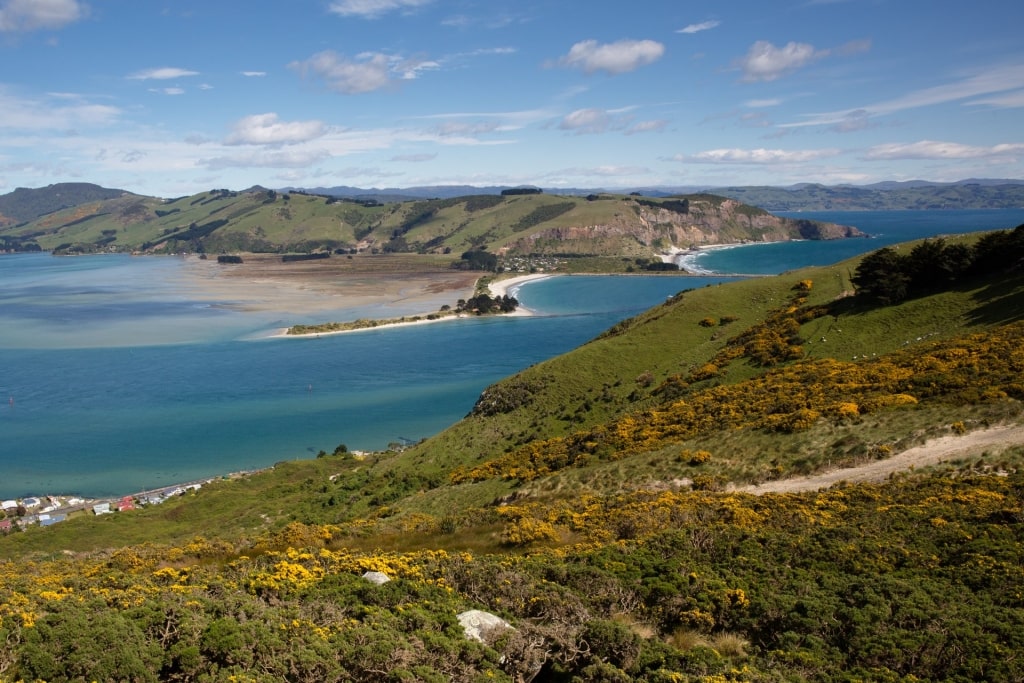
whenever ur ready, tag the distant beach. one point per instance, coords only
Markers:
(510, 285)
(498, 288)
(687, 259)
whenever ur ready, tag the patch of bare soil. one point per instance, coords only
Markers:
(943, 449)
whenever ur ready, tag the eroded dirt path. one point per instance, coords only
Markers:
(993, 439)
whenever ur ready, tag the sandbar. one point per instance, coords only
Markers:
(264, 283)
(496, 289)
(342, 288)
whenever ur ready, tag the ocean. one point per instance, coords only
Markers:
(114, 379)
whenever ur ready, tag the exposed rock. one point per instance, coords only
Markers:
(708, 219)
(476, 623)
(376, 577)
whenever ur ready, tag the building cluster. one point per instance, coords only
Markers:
(19, 514)
(531, 264)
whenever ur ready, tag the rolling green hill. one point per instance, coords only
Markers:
(27, 204)
(259, 220)
(590, 501)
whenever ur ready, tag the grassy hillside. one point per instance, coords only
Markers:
(259, 220)
(587, 501)
(25, 204)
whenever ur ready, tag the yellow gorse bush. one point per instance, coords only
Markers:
(971, 369)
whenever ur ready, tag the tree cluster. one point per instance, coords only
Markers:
(477, 259)
(887, 277)
(483, 303)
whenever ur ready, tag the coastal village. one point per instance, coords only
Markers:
(22, 513)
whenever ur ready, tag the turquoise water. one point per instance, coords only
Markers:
(120, 382)
(884, 228)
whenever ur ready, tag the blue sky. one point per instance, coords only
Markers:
(175, 97)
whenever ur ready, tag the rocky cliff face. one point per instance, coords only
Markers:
(644, 226)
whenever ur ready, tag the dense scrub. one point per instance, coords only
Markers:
(919, 579)
(967, 370)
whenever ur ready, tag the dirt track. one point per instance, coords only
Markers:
(932, 452)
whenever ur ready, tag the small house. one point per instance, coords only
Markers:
(101, 509)
(51, 519)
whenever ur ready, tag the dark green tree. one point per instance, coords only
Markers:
(882, 277)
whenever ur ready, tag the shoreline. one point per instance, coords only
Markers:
(212, 284)
(503, 286)
(497, 288)
(686, 259)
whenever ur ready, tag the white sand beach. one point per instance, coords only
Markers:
(504, 286)
(496, 289)
(283, 331)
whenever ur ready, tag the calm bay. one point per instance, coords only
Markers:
(115, 379)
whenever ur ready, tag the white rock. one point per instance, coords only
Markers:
(476, 622)
(376, 577)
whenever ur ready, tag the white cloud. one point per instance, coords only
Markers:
(765, 62)
(999, 79)
(759, 156)
(414, 158)
(254, 74)
(516, 118)
(31, 15)
(267, 129)
(1011, 100)
(453, 128)
(563, 176)
(168, 91)
(858, 119)
(615, 58)
(702, 26)
(595, 121)
(586, 121)
(60, 111)
(759, 104)
(293, 158)
(410, 69)
(934, 149)
(647, 127)
(371, 9)
(371, 71)
(161, 74)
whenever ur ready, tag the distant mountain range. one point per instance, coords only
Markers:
(973, 193)
(25, 204)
